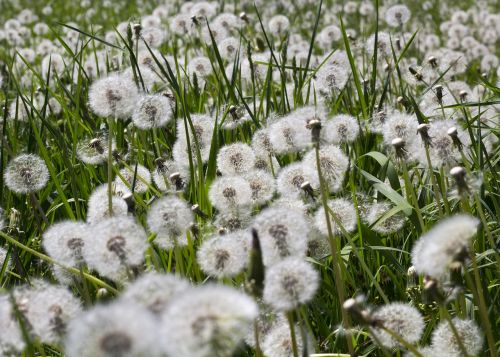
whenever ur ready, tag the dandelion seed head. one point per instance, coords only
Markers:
(402, 319)
(440, 246)
(230, 193)
(291, 177)
(224, 255)
(397, 15)
(26, 173)
(389, 225)
(345, 213)
(154, 291)
(290, 283)
(200, 66)
(11, 339)
(263, 186)
(118, 243)
(94, 150)
(289, 134)
(229, 48)
(118, 329)
(206, 321)
(340, 129)
(47, 309)
(277, 342)
(162, 175)
(443, 339)
(139, 181)
(152, 111)
(282, 232)
(54, 63)
(98, 206)
(64, 242)
(170, 217)
(279, 24)
(383, 45)
(237, 158)
(203, 129)
(333, 163)
(114, 96)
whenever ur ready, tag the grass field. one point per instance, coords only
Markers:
(230, 178)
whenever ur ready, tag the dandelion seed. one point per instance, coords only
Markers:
(94, 150)
(119, 243)
(289, 134)
(98, 206)
(207, 321)
(383, 45)
(397, 15)
(229, 193)
(282, 232)
(11, 338)
(389, 225)
(138, 182)
(118, 329)
(340, 129)
(114, 96)
(162, 175)
(64, 242)
(152, 111)
(203, 126)
(261, 143)
(401, 319)
(53, 63)
(278, 25)
(26, 173)
(47, 310)
(278, 341)
(233, 220)
(237, 158)
(444, 243)
(229, 48)
(224, 255)
(291, 178)
(200, 66)
(333, 163)
(154, 291)
(170, 218)
(290, 283)
(444, 342)
(263, 186)
(345, 213)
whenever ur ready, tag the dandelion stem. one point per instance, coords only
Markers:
(336, 258)
(110, 167)
(295, 350)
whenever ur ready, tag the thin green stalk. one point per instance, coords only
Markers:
(413, 195)
(110, 167)
(336, 258)
(295, 349)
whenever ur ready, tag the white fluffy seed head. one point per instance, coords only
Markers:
(445, 242)
(230, 193)
(388, 225)
(397, 15)
(345, 213)
(170, 218)
(291, 177)
(203, 129)
(340, 129)
(114, 96)
(11, 338)
(154, 291)
(290, 134)
(224, 255)
(162, 175)
(207, 321)
(263, 186)
(278, 25)
(234, 159)
(277, 342)
(98, 207)
(138, 181)
(47, 309)
(118, 329)
(283, 232)
(119, 243)
(290, 283)
(94, 150)
(152, 111)
(402, 319)
(64, 242)
(333, 163)
(26, 173)
(444, 342)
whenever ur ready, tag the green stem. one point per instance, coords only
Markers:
(295, 349)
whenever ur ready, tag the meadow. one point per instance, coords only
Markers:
(249, 178)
